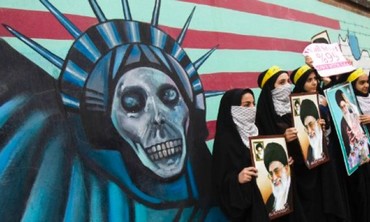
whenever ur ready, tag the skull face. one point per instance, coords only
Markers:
(149, 112)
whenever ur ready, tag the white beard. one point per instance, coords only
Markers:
(281, 192)
(316, 143)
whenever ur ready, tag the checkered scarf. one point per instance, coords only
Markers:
(280, 98)
(364, 103)
(244, 118)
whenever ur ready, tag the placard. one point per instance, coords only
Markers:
(307, 119)
(328, 59)
(270, 157)
(353, 136)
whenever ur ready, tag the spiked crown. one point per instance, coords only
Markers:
(126, 38)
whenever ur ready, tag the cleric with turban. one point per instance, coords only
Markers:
(276, 163)
(310, 119)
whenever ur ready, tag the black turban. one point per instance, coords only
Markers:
(296, 102)
(274, 152)
(308, 108)
(259, 146)
(339, 96)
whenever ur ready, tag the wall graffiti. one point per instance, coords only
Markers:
(350, 47)
(116, 137)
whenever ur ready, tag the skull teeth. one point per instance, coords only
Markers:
(164, 150)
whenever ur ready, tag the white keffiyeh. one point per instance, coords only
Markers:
(280, 99)
(364, 103)
(244, 118)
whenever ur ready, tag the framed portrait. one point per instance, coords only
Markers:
(311, 135)
(270, 157)
(352, 135)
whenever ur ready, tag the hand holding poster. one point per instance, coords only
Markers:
(270, 157)
(328, 59)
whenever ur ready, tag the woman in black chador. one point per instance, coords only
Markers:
(327, 186)
(274, 117)
(233, 174)
(359, 182)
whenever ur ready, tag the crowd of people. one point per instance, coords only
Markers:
(321, 194)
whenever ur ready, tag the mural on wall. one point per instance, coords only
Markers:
(351, 49)
(80, 147)
(119, 137)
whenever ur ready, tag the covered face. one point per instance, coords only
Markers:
(271, 105)
(151, 115)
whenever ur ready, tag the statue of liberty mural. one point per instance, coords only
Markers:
(119, 137)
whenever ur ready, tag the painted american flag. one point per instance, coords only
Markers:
(251, 35)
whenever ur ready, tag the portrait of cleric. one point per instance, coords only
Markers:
(258, 146)
(353, 135)
(270, 157)
(310, 129)
(275, 159)
(119, 135)
(310, 118)
(297, 107)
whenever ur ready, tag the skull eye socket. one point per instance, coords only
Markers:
(169, 95)
(133, 101)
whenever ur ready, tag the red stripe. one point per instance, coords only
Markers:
(211, 125)
(206, 39)
(271, 10)
(36, 24)
(228, 80)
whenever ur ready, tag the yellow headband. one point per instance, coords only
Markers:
(355, 74)
(270, 72)
(300, 72)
